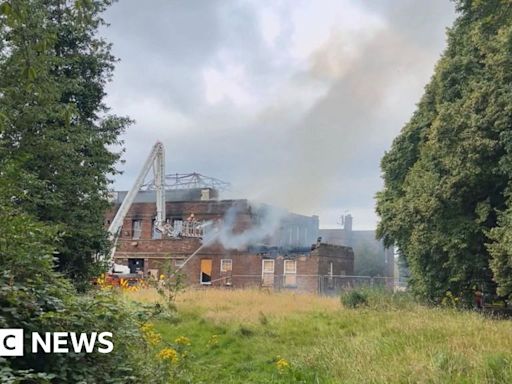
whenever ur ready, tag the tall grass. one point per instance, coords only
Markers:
(378, 298)
(244, 306)
(391, 340)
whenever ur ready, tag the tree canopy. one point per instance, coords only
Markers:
(447, 201)
(54, 125)
(55, 164)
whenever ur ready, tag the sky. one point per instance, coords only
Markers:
(293, 102)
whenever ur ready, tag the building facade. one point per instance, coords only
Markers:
(284, 253)
(364, 244)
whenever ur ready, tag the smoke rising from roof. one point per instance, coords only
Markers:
(269, 220)
(293, 102)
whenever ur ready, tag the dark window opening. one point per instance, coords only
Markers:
(136, 265)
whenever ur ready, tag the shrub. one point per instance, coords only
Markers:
(354, 299)
(377, 298)
(36, 298)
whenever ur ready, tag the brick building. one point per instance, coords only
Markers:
(362, 242)
(286, 257)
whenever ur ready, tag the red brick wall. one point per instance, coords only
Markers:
(341, 257)
(246, 267)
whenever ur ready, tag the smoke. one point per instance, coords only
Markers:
(325, 97)
(333, 143)
(325, 158)
(237, 230)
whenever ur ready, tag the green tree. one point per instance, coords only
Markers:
(54, 123)
(54, 162)
(446, 176)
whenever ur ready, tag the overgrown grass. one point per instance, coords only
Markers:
(260, 337)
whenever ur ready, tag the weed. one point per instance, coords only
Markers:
(354, 299)
(390, 340)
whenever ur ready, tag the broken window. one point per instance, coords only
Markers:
(136, 265)
(226, 265)
(268, 272)
(176, 223)
(290, 273)
(136, 229)
(155, 233)
(206, 271)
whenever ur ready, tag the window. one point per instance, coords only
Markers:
(136, 265)
(178, 263)
(206, 271)
(226, 265)
(290, 273)
(290, 266)
(136, 229)
(267, 272)
(268, 266)
(155, 233)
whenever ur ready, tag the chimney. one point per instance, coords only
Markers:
(348, 223)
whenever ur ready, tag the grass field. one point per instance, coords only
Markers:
(259, 337)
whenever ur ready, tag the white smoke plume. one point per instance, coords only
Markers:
(264, 224)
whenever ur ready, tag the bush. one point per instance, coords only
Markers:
(377, 298)
(37, 299)
(354, 299)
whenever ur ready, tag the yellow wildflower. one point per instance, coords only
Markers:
(282, 364)
(168, 354)
(182, 340)
(102, 282)
(152, 337)
(147, 327)
(214, 340)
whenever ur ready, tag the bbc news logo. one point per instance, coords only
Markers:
(12, 342)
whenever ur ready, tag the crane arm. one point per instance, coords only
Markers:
(155, 159)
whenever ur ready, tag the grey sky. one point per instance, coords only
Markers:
(293, 102)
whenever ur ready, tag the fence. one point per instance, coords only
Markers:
(321, 284)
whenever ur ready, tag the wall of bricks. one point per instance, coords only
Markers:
(246, 266)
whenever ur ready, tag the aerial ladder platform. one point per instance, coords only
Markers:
(155, 162)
